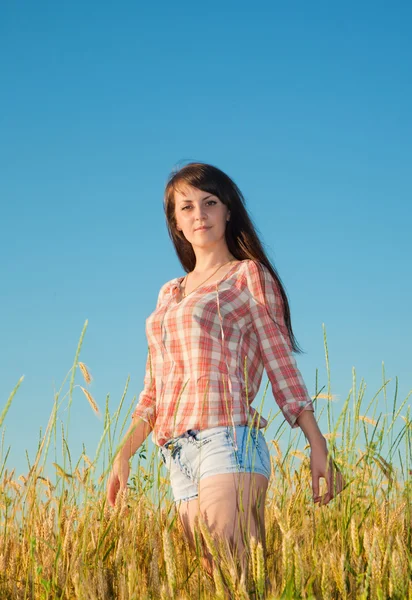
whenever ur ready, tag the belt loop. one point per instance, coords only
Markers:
(192, 432)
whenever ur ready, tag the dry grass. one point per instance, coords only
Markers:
(59, 538)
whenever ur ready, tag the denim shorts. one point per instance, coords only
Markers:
(196, 454)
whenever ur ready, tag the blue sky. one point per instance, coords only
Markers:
(305, 106)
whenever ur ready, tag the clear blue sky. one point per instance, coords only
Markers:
(308, 108)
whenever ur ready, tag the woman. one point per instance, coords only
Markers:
(211, 335)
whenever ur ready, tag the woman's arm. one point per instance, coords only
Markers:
(267, 317)
(307, 422)
(320, 463)
(133, 439)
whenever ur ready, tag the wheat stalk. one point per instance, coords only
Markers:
(86, 375)
(220, 588)
(367, 420)
(260, 569)
(91, 400)
(168, 556)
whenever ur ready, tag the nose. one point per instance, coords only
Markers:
(200, 213)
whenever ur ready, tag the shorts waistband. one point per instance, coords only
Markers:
(186, 434)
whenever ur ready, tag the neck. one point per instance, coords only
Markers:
(208, 262)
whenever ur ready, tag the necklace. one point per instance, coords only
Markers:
(219, 267)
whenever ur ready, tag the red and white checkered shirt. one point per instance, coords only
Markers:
(207, 353)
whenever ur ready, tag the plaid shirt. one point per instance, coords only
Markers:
(207, 353)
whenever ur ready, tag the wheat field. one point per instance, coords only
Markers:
(60, 539)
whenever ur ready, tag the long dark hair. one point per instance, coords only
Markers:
(241, 237)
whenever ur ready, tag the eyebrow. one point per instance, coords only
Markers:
(189, 200)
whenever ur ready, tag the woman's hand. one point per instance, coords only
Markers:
(117, 479)
(322, 465)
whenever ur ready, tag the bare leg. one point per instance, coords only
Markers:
(233, 506)
(188, 513)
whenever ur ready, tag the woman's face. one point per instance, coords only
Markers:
(194, 209)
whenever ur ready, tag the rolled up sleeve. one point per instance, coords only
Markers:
(146, 404)
(266, 310)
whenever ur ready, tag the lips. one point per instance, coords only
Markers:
(202, 228)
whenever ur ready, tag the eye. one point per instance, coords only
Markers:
(190, 206)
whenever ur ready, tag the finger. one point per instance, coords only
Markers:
(332, 493)
(331, 485)
(339, 482)
(113, 489)
(335, 483)
(328, 471)
(328, 495)
(325, 500)
(315, 488)
(110, 496)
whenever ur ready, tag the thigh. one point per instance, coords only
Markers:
(188, 511)
(233, 505)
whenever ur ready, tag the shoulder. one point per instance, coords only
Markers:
(259, 281)
(254, 266)
(166, 289)
(256, 272)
